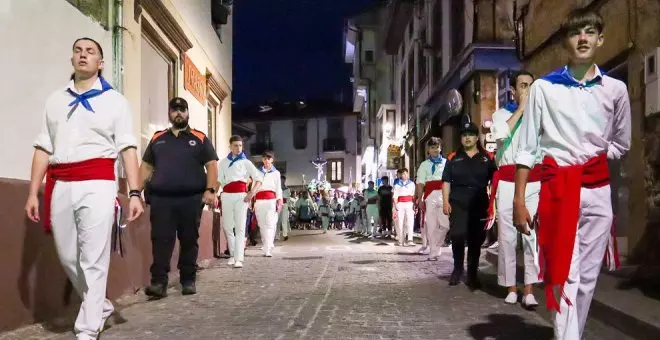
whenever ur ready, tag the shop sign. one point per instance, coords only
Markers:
(193, 80)
(393, 156)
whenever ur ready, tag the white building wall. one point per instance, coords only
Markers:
(298, 162)
(36, 37)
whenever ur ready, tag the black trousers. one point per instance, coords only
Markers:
(385, 212)
(467, 222)
(172, 218)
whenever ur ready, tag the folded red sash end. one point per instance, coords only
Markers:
(236, 187)
(432, 186)
(265, 195)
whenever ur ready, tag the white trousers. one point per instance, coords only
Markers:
(437, 223)
(594, 226)
(82, 215)
(234, 220)
(508, 235)
(283, 221)
(266, 211)
(405, 221)
(372, 215)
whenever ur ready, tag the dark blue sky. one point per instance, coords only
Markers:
(290, 49)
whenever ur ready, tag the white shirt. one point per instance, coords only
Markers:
(86, 135)
(270, 181)
(424, 173)
(501, 132)
(241, 170)
(573, 124)
(404, 189)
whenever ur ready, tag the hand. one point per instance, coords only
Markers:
(279, 205)
(216, 202)
(446, 208)
(395, 213)
(248, 197)
(521, 218)
(32, 208)
(420, 204)
(135, 208)
(209, 198)
(523, 98)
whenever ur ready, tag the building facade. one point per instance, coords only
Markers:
(299, 133)
(153, 50)
(632, 34)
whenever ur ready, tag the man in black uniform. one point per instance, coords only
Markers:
(466, 177)
(174, 164)
(385, 206)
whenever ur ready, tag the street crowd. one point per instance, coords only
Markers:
(548, 183)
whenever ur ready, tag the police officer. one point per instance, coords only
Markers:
(466, 177)
(174, 164)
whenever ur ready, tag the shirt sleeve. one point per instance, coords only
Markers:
(253, 172)
(278, 187)
(43, 140)
(422, 175)
(530, 128)
(492, 168)
(123, 134)
(447, 172)
(149, 156)
(620, 140)
(221, 175)
(500, 127)
(208, 151)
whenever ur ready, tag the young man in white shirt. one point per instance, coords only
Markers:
(506, 123)
(268, 202)
(404, 204)
(283, 218)
(429, 198)
(577, 118)
(233, 174)
(87, 125)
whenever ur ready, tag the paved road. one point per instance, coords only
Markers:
(328, 286)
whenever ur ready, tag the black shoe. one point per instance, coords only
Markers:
(455, 277)
(473, 282)
(156, 290)
(286, 238)
(188, 289)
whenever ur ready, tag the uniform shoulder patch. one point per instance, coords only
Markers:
(158, 134)
(451, 155)
(199, 134)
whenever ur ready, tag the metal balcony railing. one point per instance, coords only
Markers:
(258, 148)
(334, 144)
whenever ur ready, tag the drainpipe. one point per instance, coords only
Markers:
(118, 45)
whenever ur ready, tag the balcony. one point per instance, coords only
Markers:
(258, 148)
(334, 144)
(398, 14)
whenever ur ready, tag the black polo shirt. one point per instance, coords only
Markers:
(178, 162)
(469, 176)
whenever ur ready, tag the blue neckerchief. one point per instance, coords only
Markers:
(402, 183)
(563, 76)
(511, 107)
(237, 158)
(264, 171)
(435, 162)
(85, 97)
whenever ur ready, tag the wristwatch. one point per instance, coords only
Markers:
(211, 190)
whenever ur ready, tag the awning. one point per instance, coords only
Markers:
(477, 57)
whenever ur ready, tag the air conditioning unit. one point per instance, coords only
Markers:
(652, 81)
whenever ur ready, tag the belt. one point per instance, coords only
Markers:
(404, 199)
(88, 170)
(235, 187)
(431, 186)
(265, 195)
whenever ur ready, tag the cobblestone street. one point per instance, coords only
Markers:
(330, 286)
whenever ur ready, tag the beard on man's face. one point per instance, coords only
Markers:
(178, 122)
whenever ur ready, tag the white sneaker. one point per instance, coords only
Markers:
(424, 251)
(512, 298)
(529, 301)
(410, 244)
(495, 245)
(268, 254)
(238, 264)
(231, 262)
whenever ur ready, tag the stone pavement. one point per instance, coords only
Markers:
(327, 286)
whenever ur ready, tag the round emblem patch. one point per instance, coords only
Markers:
(192, 143)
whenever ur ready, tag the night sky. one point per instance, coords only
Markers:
(291, 49)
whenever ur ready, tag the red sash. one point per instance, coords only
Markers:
(558, 215)
(88, 170)
(284, 200)
(507, 173)
(404, 199)
(265, 195)
(235, 187)
(431, 186)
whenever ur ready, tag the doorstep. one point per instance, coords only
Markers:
(627, 310)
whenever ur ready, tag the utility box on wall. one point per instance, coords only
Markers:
(652, 82)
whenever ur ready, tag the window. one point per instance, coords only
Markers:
(421, 61)
(97, 9)
(335, 171)
(263, 133)
(368, 56)
(437, 42)
(335, 128)
(457, 28)
(359, 137)
(219, 15)
(411, 84)
(299, 134)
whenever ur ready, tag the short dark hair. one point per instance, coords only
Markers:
(235, 138)
(268, 154)
(434, 141)
(514, 78)
(98, 46)
(283, 178)
(580, 18)
(385, 178)
(401, 171)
